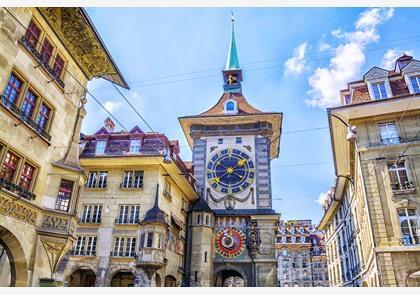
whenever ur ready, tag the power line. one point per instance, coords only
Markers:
(284, 58)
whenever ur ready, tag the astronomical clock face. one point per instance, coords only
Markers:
(230, 171)
(230, 242)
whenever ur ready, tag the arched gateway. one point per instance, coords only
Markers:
(229, 278)
(13, 265)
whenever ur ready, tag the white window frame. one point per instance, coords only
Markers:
(118, 246)
(130, 246)
(391, 133)
(92, 179)
(100, 148)
(387, 88)
(408, 218)
(410, 83)
(135, 145)
(92, 241)
(133, 179)
(97, 179)
(397, 172)
(91, 213)
(134, 214)
(123, 214)
(235, 107)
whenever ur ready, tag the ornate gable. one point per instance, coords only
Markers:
(77, 32)
(412, 67)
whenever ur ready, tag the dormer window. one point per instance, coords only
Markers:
(415, 83)
(379, 90)
(134, 146)
(100, 146)
(230, 107)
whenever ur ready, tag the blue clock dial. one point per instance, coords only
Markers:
(230, 171)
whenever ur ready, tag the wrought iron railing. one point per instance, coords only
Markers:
(407, 185)
(23, 117)
(14, 188)
(127, 220)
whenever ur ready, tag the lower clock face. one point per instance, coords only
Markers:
(230, 171)
(230, 242)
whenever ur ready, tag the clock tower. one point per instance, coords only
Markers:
(233, 144)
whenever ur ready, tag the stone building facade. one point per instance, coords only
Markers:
(301, 257)
(47, 56)
(132, 211)
(375, 201)
(232, 227)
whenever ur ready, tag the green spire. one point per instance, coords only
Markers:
(232, 62)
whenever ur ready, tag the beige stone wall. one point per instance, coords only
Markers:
(112, 197)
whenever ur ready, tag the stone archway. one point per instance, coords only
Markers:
(82, 278)
(413, 280)
(228, 278)
(18, 267)
(229, 275)
(170, 281)
(122, 278)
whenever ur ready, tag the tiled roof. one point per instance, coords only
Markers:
(243, 106)
(361, 94)
(398, 87)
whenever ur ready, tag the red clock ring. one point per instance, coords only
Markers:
(230, 242)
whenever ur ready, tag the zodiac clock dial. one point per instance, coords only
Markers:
(230, 242)
(230, 171)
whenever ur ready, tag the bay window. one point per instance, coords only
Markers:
(64, 195)
(409, 222)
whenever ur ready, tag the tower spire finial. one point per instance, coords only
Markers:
(232, 61)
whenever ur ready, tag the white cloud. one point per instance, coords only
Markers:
(322, 198)
(112, 106)
(296, 64)
(348, 59)
(323, 46)
(388, 60)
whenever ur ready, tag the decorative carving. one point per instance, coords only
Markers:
(248, 147)
(230, 200)
(54, 252)
(230, 242)
(18, 210)
(253, 239)
(74, 29)
(60, 224)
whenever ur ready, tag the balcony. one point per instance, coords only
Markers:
(35, 54)
(14, 188)
(402, 188)
(151, 258)
(11, 107)
(122, 254)
(391, 141)
(82, 253)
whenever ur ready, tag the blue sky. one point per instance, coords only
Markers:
(294, 60)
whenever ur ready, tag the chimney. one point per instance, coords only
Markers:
(109, 125)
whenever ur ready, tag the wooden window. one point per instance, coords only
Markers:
(13, 89)
(149, 240)
(58, 66)
(64, 195)
(46, 51)
(29, 103)
(27, 175)
(10, 166)
(33, 33)
(43, 116)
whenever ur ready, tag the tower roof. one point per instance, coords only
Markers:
(232, 62)
(155, 214)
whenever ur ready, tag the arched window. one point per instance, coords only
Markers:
(230, 106)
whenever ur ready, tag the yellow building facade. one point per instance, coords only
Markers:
(47, 56)
(129, 183)
(372, 214)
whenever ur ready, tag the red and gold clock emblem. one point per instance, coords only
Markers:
(230, 242)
